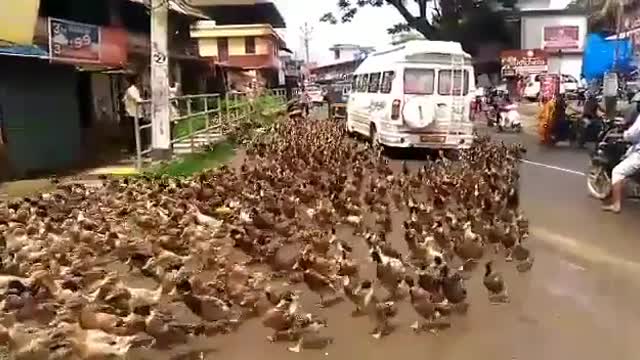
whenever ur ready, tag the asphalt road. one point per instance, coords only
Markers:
(578, 302)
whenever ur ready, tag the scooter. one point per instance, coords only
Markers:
(609, 152)
(509, 118)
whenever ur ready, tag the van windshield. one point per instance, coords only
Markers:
(419, 81)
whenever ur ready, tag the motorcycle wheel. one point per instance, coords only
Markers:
(598, 182)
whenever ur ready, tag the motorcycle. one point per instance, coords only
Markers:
(609, 152)
(509, 118)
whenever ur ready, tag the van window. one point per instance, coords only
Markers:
(419, 81)
(444, 83)
(374, 82)
(363, 82)
(354, 81)
(387, 81)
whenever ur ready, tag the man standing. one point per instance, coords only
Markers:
(629, 166)
(133, 109)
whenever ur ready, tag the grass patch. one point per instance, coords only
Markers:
(194, 163)
(181, 128)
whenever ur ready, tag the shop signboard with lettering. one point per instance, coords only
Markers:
(523, 62)
(74, 42)
(565, 37)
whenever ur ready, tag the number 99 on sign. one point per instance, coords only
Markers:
(80, 42)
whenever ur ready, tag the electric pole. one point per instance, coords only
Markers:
(306, 38)
(160, 121)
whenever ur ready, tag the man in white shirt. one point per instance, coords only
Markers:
(133, 109)
(629, 166)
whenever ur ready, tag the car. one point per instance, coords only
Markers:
(315, 93)
(532, 87)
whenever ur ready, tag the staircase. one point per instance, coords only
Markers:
(200, 142)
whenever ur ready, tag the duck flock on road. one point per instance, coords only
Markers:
(152, 262)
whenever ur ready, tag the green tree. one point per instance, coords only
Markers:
(470, 22)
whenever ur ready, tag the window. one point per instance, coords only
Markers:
(387, 81)
(354, 81)
(419, 81)
(223, 49)
(363, 82)
(336, 54)
(249, 45)
(444, 83)
(374, 82)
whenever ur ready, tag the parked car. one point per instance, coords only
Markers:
(315, 93)
(532, 87)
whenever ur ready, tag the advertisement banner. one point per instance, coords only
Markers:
(74, 42)
(523, 62)
(561, 37)
(18, 19)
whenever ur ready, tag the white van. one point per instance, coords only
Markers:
(418, 94)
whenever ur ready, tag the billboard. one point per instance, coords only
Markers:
(74, 42)
(564, 37)
(523, 62)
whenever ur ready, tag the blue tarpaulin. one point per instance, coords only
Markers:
(599, 54)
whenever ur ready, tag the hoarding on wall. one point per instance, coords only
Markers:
(74, 42)
(18, 19)
(523, 62)
(566, 37)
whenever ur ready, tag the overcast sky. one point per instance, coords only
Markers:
(367, 29)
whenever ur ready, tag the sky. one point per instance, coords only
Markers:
(369, 28)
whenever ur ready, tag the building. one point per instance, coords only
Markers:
(560, 33)
(252, 48)
(349, 51)
(347, 58)
(61, 86)
(242, 39)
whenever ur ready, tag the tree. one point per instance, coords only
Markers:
(466, 21)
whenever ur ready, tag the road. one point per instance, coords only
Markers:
(578, 302)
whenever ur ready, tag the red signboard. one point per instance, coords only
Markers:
(549, 86)
(561, 37)
(523, 62)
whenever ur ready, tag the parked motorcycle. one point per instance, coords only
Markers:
(509, 118)
(609, 152)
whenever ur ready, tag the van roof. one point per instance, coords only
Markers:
(412, 51)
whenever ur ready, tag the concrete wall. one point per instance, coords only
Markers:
(532, 35)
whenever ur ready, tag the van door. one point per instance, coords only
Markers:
(418, 106)
(453, 97)
(358, 105)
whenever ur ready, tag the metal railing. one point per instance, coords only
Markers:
(193, 116)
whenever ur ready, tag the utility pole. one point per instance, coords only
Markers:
(306, 38)
(160, 121)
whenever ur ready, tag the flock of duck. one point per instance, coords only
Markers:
(152, 262)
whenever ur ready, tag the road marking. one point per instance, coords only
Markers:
(568, 171)
(583, 249)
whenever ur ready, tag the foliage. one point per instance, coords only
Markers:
(192, 163)
(469, 22)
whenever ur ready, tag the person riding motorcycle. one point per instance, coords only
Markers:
(629, 166)
(590, 121)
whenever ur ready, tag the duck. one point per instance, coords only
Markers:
(495, 284)
(319, 284)
(523, 256)
(389, 271)
(356, 292)
(453, 287)
(421, 303)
